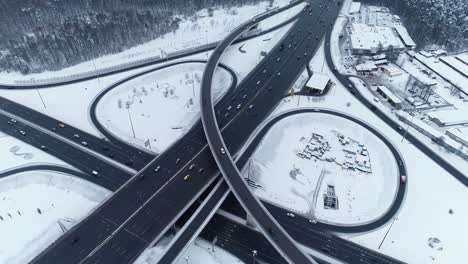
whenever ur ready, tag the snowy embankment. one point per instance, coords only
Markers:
(193, 31)
(432, 192)
(299, 184)
(199, 252)
(158, 107)
(50, 200)
(16, 153)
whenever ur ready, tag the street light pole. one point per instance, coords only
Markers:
(407, 128)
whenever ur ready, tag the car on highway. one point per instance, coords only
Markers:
(278, 59)
(312, 221)
(186, 177)
(13, 120)
(84, 143)
(95, 173)
(201, 170)
(223, 151)
(239, 106)
(157, 168)
(403, 178)
(191, 166)
(177, 161)
(291, 215)
(61, 125)
(43, 147)
(376, 99)
(22, 132)
(76, 136)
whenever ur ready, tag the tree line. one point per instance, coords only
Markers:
(440, 22)
(36, 36)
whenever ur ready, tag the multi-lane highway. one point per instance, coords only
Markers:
(101, 172)
(291, 62)
(117, 150)
(124, 225)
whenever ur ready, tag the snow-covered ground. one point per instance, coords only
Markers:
(160, 106)
(299, 183)
(199, 252)
(16, 153)
(431, 192)
(193, 31)
(34, 206)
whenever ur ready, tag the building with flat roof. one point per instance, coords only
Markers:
(405, 37)
(392, 70)
(426, 54)
(456, 64)
(366, 67)
(355, 7)
(394, 100)
(318, 82)
(449, 117)
(367, 39)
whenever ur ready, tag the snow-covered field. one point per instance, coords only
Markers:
(160, 106)
(199, 252)
(193, 31)
(35, 206)
(362, 196)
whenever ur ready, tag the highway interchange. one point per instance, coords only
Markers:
(129, 221)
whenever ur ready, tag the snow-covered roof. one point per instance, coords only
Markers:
(389, 94)
(456, 64)
(450, 117)
(439, 52)
(368, 66)
(355, 7)
(426, 54)
(380, 62)
(392, 70)
(369, 38)
(379, 57)
(404, 35)
(318, 81)
(463, 57)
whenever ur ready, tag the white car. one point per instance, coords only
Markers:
(291, 215)
(312, 221)
(223, 151)
(376, 99)
(95, 173)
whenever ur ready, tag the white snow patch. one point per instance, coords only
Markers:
(42, 198)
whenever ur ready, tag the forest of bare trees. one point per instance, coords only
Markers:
(440, 22)
(52, 34)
